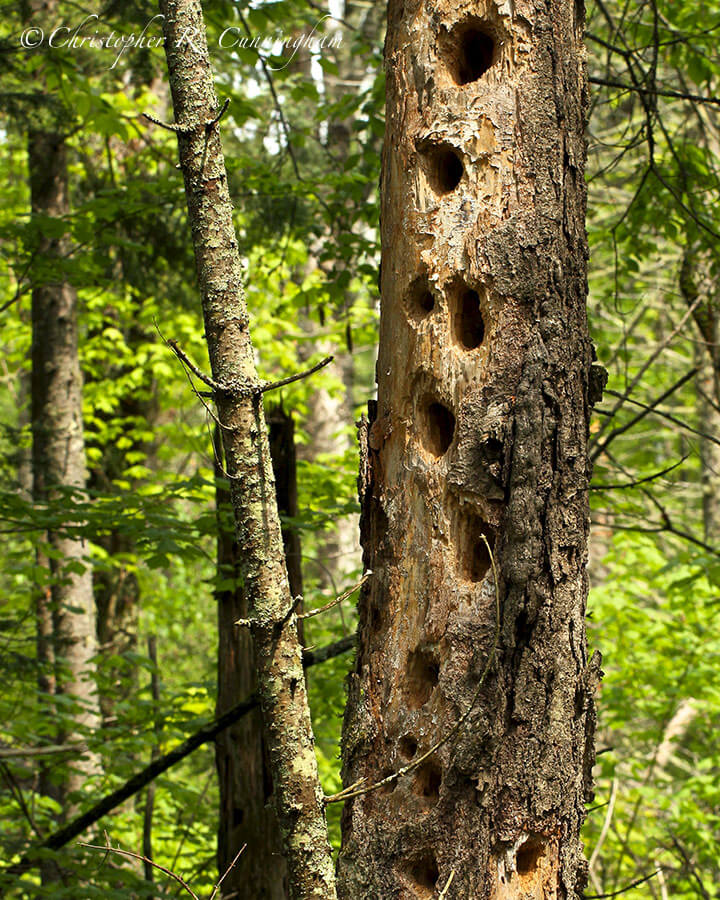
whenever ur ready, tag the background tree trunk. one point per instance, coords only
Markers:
(66, 611)
(480, 432)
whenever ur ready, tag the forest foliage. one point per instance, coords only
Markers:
(302, 138)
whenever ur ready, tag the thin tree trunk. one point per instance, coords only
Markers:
(66, 612)
(479, 433)
(278, 656)
(154, 754)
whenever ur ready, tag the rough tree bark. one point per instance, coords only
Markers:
(247, 817)
(479, 431)
(66, 638)
(698, 281)
(278, 656)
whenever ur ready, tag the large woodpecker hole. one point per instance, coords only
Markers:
(421, 677)
(427, 781)
(420, 299)
(424, 872)
(529, 856)
(437, 427)
(469, 51)
(468, 322)
(474, 556)
(443, 167)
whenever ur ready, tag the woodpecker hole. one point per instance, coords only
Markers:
(443, 167)
(423, 672)
(377, 620)
(529, 856)
(427, 781)
(437, 427)
(420, 299)
(424, 872)
(474, 555)
(408, 746)
(468, 322)
(469, 51)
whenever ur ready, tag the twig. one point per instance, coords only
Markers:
(443, 892)
(177, 128)
(226, 873)
(16, 791)
(276, 102)
(272, 385)
(693, 871)
(621, 429)
(605, 827)
(251, 390)
(628, 887)
(655, 92)
(645, 366)
(668, 526)
(354, 790)
(109, 849)
(186, 361)
(348, 593)
(670, 418)
(50, 750)
(631, 484)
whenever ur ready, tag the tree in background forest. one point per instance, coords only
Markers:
(301, 138)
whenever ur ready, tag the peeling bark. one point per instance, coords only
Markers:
(480, 430)
(278, 657)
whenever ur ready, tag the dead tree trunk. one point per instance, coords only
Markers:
(278, 657)
(247, 817)
(479, 434)
(66, 640)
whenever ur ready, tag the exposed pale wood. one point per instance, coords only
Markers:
(480, 429)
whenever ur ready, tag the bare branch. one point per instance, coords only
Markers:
(631, 484)
(177, 128)
(226, 872)
(109, 849)
(628, 887)
(49, 750)
(272, 385)
(655, 92)
(348, 593)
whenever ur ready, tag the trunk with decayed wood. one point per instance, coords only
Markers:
(479, 432)
(278, 657)
(247, 817)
